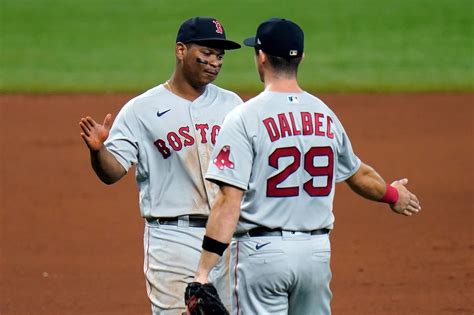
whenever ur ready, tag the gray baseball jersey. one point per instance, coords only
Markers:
(170, 139)
(286, 151)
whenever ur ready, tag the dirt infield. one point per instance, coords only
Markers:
(72, 245)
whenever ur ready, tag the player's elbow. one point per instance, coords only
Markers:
(109, 175)
(359, 179)
(109, 179)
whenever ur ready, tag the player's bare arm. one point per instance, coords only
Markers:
(369, 184)
(107, 168)
(220, 227)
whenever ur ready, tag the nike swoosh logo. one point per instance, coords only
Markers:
(162, 113)
(258, 246)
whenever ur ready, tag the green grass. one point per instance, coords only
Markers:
(363, 45)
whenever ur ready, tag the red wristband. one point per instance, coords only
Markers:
(391, 195)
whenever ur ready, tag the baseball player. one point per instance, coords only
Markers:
(277, 160)
(169, 132)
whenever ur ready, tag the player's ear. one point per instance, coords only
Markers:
(180, 51)
(262, 57)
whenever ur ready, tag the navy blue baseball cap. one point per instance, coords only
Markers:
(278, 37)
(206, 31)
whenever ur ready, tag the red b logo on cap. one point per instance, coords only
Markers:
(218, 27)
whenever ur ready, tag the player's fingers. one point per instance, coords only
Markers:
(415, 198)
(83, 122)
(85, 129)
(87, 122)
(406, 212)
(414, 201)
(402, 181)
(85, 138)
(91, 121)
(108, 121)
(415, 204)
(412, 209)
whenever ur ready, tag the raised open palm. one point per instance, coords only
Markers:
(93, 133)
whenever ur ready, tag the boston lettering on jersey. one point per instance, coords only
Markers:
(183, 138)
(295, 124)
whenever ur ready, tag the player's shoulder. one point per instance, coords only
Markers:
(152, 95)
(323, 107)
(260, 102)
(318, 102)
(138, 105)
(248, 111)
(315, 99)
(224, 93)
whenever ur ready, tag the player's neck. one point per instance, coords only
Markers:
(285, 85)
(182, 88)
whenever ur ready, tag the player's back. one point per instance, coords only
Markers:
(300, 150)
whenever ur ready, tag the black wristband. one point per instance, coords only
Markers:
(213, 246)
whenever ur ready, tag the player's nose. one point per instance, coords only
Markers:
(215, 61)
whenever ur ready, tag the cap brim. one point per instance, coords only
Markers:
(218, 43)
(251, 42)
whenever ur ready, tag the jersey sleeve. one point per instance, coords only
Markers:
(348, 163)
(122, 141)
(232, 158)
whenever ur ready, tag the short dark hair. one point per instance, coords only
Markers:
(283, 65)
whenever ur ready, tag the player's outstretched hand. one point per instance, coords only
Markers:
(407, 203)
(93, 133)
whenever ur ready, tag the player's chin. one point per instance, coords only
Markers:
(206, 81)
(209, 77)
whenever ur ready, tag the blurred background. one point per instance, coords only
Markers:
(127, 46)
